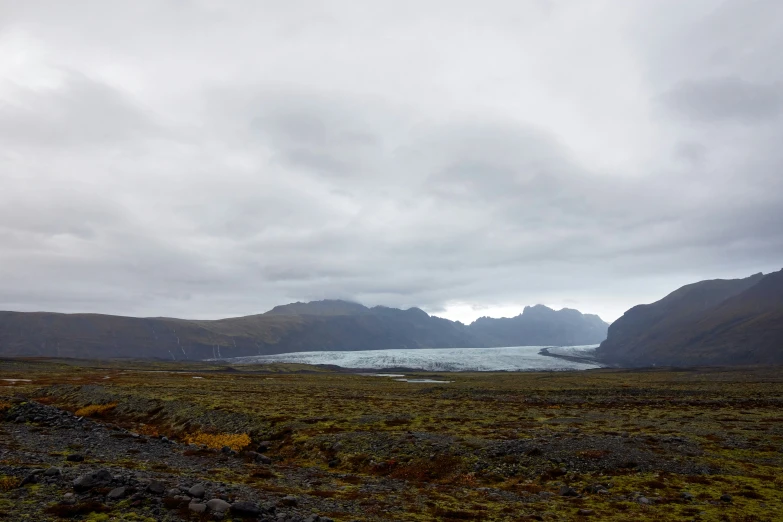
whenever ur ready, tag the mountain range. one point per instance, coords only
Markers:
(715, 322)
(313, 326)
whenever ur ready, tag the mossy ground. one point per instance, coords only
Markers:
(483, 447)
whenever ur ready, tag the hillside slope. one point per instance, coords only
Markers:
(319, 325)
(718, 322)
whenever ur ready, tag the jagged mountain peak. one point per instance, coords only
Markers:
(330, 324)
(538, 308)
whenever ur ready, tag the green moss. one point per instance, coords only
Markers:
(339, 426)
(132, 516)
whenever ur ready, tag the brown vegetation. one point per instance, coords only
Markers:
(235, 441)
(95, 410)
(484, 447)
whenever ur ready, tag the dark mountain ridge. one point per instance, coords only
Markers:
(314, 326)
(540, 325)
(715, 322)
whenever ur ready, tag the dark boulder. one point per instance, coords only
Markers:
(245, 509)
(91, 480)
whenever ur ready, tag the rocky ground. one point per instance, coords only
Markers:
(68, 466)
(605, 445)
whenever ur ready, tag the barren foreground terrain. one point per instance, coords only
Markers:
(189, 441)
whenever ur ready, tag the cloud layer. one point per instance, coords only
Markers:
(207, 159)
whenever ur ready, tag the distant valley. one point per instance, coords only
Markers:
(319, 325)
(715, 322)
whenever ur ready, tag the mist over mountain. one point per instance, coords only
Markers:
(313, 326)
(715, 322)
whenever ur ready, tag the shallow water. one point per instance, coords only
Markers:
(422, 380)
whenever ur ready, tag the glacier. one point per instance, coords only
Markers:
(514, 358)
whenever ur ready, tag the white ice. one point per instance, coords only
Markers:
(518, 358)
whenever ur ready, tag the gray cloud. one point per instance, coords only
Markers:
(692, 152)
(79, 111)
(435, 156)
(726, 99)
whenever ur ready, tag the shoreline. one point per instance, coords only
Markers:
(571, 358)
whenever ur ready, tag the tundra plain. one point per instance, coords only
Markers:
(617, 445)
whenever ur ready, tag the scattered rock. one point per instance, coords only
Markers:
(117, 493)
(566, 491)
(555, 455)
(197, 491)
(31, 478)
(90, 480)
(197, 507)
(289, 500)
(156, 488)
(245, 509)
(218, 505)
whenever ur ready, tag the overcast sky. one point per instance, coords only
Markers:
(208, 159)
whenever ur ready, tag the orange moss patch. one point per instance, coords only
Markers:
(440, 467)
(4, 406)
(8, 483)
(148, 430)
(96, 410)
(235, 441)
(593, 454)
